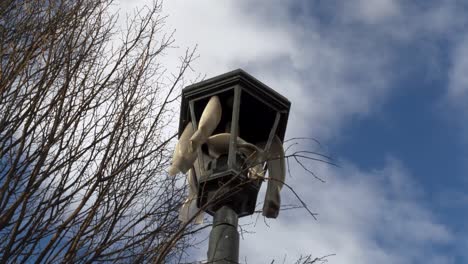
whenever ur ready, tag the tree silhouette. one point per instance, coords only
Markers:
(83, 151)
(84, 111)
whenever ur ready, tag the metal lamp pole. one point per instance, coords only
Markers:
(223, 246)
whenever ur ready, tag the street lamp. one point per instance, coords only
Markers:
(230, 135)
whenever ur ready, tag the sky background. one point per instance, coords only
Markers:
(383, 84)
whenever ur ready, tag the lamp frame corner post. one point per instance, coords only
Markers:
(224, 188)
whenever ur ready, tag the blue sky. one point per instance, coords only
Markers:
(383, 84)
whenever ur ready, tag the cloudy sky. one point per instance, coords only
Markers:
(383, 84)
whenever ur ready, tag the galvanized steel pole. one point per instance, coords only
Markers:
(223, 246)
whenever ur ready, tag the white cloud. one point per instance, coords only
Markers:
(396, 21)
(454, 105)
(373, 11)
(364, 217)
(331, 75)
(458, 77)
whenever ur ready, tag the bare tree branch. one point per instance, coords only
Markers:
(84, 147)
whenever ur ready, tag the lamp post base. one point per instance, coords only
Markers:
(223, 247)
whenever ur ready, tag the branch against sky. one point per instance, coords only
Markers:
(83, 146)
(84, 135)
(44, 132)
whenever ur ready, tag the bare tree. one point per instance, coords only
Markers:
(84, 147)
(83, 150)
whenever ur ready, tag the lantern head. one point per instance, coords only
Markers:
(231, 129)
